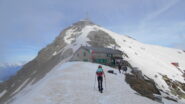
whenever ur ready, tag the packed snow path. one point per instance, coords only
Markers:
(73, 83)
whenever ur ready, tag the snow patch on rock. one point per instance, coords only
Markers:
(2, 93)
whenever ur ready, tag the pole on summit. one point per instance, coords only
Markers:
(87, 16)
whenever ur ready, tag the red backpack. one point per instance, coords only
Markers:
(99, 73)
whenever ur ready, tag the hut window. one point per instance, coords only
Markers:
(84, 53)
(109, 55)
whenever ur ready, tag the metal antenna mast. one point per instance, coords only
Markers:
(87, 16)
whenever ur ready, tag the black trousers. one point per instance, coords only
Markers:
(119, 67)
(100, 81)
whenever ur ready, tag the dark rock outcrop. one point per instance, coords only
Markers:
(177, 88)
(145, 87)
(101, 39)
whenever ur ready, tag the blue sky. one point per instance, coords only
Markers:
(26, 26)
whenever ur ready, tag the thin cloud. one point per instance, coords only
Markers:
(158, 12)
(161, 10)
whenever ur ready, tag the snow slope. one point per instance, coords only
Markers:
(73, 83)
(153, 61)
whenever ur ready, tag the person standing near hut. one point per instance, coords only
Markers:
(119, 68)
(124, 69)
(100, 73)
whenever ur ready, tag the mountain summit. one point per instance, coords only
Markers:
(163, 66)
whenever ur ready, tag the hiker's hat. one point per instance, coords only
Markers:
(99, 66)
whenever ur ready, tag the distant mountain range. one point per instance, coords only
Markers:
(7, 70)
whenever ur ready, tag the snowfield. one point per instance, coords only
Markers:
(73, 83)
(153, 61)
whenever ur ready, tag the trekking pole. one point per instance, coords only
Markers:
(95, 82)
(105, 83)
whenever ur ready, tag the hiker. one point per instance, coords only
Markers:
(119, 68)
(100, 73)
(124, 69)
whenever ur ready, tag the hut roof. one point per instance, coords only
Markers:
(102, 50)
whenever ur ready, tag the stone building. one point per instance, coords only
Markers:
(105, 56)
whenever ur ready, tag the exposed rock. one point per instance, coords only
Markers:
(112, 72)
(81, 24)
(137, 73)
(144, 87)
(76, 29)
(126, 63)
(179, 52)
(171, 99)
(101, 39)
(177, 88)
(130, 37)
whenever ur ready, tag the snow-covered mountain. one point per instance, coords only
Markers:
(7, 70)
(155, 63)
(4, 65)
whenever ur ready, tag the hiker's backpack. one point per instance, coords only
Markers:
(125, 68)
(99, 72)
